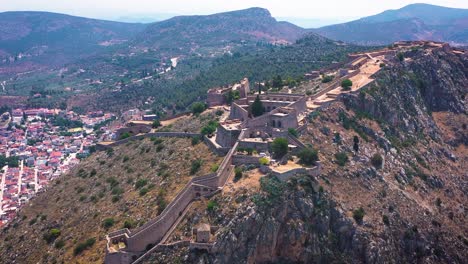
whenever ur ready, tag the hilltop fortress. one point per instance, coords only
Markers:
(283, 112)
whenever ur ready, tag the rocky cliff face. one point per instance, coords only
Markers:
(405, 94)
(300, 226)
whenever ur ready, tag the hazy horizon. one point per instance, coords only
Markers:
(302, 13)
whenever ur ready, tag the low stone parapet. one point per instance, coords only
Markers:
(244, 159)
(201, 246)
(260, 146)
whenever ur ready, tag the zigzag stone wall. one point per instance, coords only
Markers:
(150, 234)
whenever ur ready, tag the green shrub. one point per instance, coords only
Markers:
(33, 221)
(341, 158)
(277, 81)
(59, 244)
(214, 168)
(358, 214)
(144, 191)
(327, 78)
(156, 141)
(346, 84)
(198, 108)
(116, 198)
(125, 135)
(337, 138)
(82, 173)
(400, 56)
(140, 183)
(110, 152)
(308, 156)
(156, 124)
(161, 200)
(273, 190)
(117, 191)
(129, 224)
(112, 182)
(93, 198)
(51, 235)
(257, 108)
(195, 141)
(237, 174)
(264, 161)
(279, 146)
(79, 189)
(159, 148)
(293, 132)
(84, 245)
(421, 160)
(356, 144)
(108, 223)
(377, 160)
(211, 206)
(195, 167)
(385, 220)
(210, 128)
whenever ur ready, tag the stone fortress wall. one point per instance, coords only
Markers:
(153, 232)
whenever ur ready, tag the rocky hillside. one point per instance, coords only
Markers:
(400, 198)
(110, 190)
(412, 22)
(189, 33)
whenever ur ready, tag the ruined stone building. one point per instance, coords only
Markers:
(283, 111)
(218, 96)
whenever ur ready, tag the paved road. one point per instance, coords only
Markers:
(20, 177)
(36, 183)
(2, 187)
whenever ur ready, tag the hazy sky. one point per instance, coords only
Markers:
(279, 8)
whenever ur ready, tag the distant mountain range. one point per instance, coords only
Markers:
(412, 22)
(253, 24)
(56, 38)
